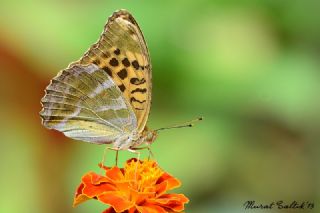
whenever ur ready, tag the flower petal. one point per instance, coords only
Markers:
(132, 210)
(117, 199)
(174, 202)
(115, 174)
(94, 184)
(161, 188)
(109, 210)
(79, 190)
(95, 190)
(149, 208)
(180, 197)
(97, 179)
(93, 178)
(172, 181)
(79, 197)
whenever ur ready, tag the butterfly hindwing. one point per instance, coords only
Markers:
(84, 103)
(122, 53)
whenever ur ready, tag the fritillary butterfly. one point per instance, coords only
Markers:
(105, 97)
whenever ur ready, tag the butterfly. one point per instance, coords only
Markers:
(105, 96)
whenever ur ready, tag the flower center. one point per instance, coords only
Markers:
(142, 175)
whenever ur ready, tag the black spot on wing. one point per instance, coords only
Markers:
(144, 90)
(132, 99)
(137, 81)
(126, 62)
(117, 51)
(114, 62)
(122, 73)
(108, 71)
(122, 87)
(135, 64)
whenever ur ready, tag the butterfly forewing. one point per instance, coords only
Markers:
(122, 53)
(104, 97)
(84, 103)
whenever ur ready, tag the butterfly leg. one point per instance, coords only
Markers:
(103, 156)
(117, 153)
(138, 159)
(150, 153)
(135, 152)
(145, 147)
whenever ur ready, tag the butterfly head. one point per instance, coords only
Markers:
(151, 136)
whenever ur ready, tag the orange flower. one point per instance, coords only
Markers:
(138, 187)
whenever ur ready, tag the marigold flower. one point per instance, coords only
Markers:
(140, 186)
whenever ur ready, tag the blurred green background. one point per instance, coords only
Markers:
(251, 68)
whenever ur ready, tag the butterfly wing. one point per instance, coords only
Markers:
(122, 52)
(84, 103)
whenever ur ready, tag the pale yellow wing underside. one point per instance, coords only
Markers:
(84, 103)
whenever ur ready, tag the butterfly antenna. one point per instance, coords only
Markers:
(185, 124)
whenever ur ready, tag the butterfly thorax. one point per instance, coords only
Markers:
(134, 139)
